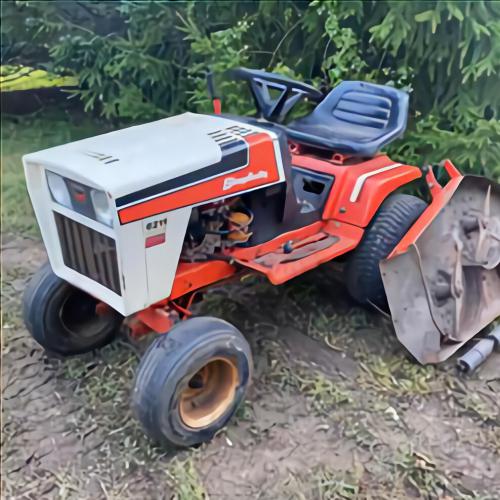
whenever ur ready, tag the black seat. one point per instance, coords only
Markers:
(355, 118)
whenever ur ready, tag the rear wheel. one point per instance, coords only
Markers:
(392, 221)
(64, 319)
(191, 381)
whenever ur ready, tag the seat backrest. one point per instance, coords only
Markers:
(355, 118)
(364, 112)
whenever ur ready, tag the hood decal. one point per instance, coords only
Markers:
(234, 156)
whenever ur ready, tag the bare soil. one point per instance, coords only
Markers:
(337, 409)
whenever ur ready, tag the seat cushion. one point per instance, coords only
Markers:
(355, 118)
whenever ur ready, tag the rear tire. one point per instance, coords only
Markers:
(392, 221)
(191, 381)
(63, 319)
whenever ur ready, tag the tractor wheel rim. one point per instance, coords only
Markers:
(209, 393)
(79, 317)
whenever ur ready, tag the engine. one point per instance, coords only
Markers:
(214, 227)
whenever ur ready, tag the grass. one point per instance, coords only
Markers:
(330, 487)
(323, 394)
(398, 376)
(184, 479)
(102, 382)
(322, 484)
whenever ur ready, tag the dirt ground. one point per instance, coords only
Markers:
(337, 410)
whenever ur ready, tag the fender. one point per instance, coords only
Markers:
(359, 188)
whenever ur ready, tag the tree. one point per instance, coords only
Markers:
(144, 60)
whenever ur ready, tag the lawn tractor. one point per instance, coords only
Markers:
(139, 222)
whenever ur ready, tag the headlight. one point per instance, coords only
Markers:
(85, 200)
(59, 189)
(101, 206)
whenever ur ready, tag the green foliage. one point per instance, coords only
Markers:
(218, 51)
(144, 60)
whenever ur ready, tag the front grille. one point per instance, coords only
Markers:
(88, 252)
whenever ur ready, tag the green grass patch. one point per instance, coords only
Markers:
(322, 393)
(25, 78)
(398, 376)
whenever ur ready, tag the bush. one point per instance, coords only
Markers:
(145, 60)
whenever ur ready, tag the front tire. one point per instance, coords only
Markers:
(191, 381)
(64, 319)
(392, 221)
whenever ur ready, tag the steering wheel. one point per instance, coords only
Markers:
(275, 109)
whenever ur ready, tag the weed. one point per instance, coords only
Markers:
(103, 382)
(420, 473)
(244, 413)
(362, 434)
(183, 478)
(484, 406)
(322, 393)
(329, 487)
(320, 484)
(398, 376)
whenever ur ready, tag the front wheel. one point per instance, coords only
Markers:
(191, 381)
(64, 319)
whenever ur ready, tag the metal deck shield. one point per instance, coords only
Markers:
(443, 280)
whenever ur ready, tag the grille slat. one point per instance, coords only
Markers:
(70, 244)
(90, 260)
(99, 258)
(88, 252)
(107, 258)
(77, 243)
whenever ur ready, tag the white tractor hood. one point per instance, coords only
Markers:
(133, 158)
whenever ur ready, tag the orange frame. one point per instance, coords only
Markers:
(342, 216)
(441, 195)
